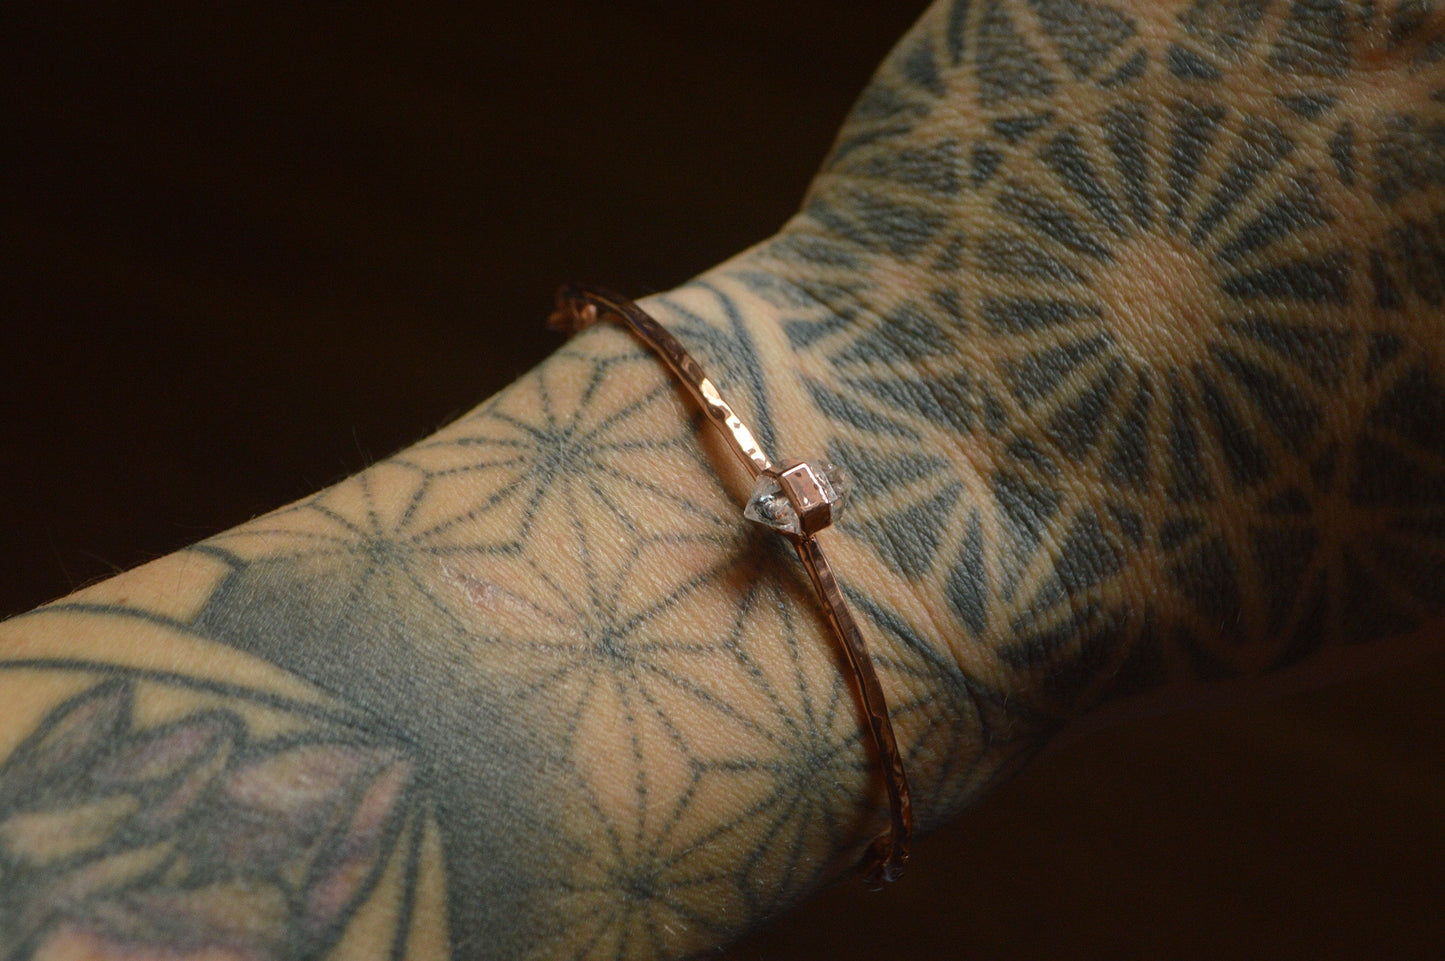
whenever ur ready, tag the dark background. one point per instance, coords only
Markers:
(247, 249)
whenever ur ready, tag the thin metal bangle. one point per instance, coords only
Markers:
(580, 307)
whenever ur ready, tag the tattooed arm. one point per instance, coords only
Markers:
(1171, 283)
(1128, 325)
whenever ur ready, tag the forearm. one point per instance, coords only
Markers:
(603, 713)
(586, 704)
(1139, 399)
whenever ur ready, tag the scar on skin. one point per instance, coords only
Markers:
(483, 596)
(520, 612)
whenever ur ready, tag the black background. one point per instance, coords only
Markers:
(247, 249)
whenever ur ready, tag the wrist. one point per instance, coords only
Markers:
(902, 560)
(569, 563)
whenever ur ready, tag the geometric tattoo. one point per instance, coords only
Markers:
(1131, 329)
(1183, 293)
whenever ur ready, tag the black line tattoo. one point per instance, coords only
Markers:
(617, 695)
(1194, 334)
(1129, 328)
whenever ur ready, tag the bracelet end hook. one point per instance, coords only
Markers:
(574, 311)
(884, 862)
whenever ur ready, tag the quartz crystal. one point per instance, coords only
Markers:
(770, 507)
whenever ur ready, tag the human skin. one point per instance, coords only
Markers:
(1135, 358)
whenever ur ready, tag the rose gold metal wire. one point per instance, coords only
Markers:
(580, 307)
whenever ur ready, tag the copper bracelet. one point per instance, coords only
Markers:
(796, 499)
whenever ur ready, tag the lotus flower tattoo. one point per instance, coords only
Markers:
(193, 836)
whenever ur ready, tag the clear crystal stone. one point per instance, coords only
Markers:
(770, 507)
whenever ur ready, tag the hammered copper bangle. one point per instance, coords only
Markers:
(796, 499)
